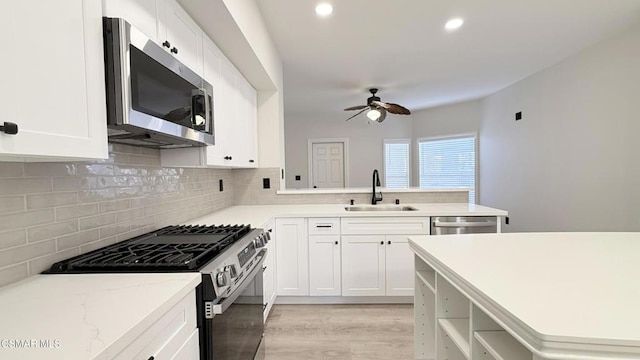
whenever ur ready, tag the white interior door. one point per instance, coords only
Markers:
(327, 165)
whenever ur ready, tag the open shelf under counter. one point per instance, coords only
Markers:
(458, 331)
(502, 346)
(428, 277)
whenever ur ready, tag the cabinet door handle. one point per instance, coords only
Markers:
(251, 161)
(336, 242)
(174, 50)
(323, 226)
(9, 128)
(166, 44)
(152, 357)
(381, 242)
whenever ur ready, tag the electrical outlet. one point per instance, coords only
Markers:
(266, 183)
(518, 115)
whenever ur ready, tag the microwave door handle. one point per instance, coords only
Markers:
(197, 94)
(208, 121)
(226, 303)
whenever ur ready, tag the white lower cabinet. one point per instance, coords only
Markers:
(173, 336)
(292, 254)
(376, 259)
(377, 265)
(398, 266)
(324, 265)
(363, 265)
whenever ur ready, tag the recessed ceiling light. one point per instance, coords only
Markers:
(324, 9)
(453, 24)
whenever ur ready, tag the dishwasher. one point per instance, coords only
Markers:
(447, 225)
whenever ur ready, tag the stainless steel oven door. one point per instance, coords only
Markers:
(237, 326)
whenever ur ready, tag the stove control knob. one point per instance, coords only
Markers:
(231, 270)
(267, 236)
(259, 241)
(222, 278)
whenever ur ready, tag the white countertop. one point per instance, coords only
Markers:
(367, 190)
(258, 215)
(92, 316)
(561, 292)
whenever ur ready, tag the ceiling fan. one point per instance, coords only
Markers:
(378, 109)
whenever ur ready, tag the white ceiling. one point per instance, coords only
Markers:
(401, 47)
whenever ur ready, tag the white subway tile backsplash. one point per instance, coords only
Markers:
(26, 252)
(17, 186)
(12, 274)
(52, 230)
(26, 219)
(10, 170)
(13, 238)
(77, 239)
(49, 200)
(49, 169)
(96, 221)
(10, 204)
(76, 211)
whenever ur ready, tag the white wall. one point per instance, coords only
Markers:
(572, 163)
(365, 143)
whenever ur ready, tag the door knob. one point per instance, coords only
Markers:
(9, 128)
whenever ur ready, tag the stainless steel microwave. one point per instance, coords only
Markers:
(153, 100)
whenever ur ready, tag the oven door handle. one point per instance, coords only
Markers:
(224, 305)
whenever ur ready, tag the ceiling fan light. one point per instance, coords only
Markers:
(324, 9)
(453, 24)
(373, 115)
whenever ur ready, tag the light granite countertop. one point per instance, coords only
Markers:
(258, 215)
(84, 316)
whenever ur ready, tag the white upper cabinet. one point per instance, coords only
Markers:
(247, 124)
(212, 60)
(144, 15)
(183, 35)
(164, 22)
(52, 83)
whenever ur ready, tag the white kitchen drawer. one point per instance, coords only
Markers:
(166, 337)
(385, 225)
(324, 226)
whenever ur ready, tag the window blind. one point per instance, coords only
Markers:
(396, 164)
(448, 163)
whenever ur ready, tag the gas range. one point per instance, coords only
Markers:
(230, 259)
(224, 253)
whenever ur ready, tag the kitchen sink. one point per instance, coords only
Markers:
(380, 208)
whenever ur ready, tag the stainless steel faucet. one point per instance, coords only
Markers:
(376, 182)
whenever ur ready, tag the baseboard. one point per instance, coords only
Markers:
(290, 300)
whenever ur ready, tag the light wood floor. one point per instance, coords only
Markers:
(349, 332)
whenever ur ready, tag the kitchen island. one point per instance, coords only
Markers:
(527, 296)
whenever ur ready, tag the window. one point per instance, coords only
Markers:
(448, 162)
(396, 163)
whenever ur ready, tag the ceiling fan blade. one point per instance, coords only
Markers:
(359, 107)
(393, 108)
(383, 114)
(359, 112)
